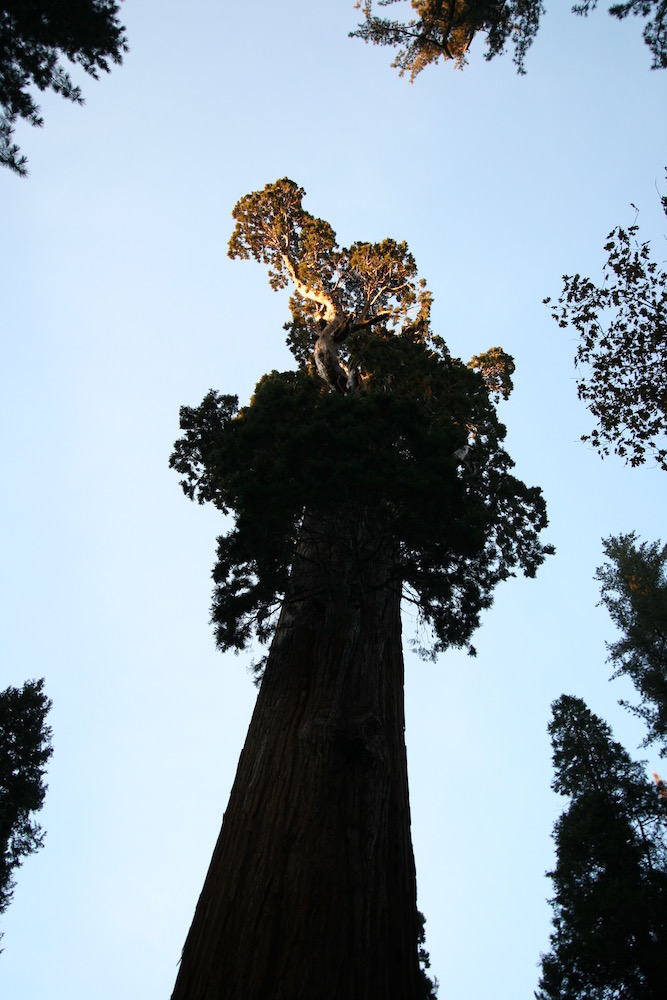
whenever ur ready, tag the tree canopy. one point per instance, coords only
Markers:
(25, 748)
(610, 880)
(446, 28)
(34, 37)
(377, 421)
(622, 350)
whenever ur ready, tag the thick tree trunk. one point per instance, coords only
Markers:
(311, 892)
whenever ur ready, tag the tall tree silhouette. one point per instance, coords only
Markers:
(374, 471)
(610, 879)
(634, 591)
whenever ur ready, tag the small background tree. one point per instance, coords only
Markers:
(610, 880)
(25, 748)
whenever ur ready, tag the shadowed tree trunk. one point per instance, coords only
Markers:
(311, 890)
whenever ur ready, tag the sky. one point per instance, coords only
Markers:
(119, 305)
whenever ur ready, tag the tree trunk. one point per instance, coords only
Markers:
(311, 890)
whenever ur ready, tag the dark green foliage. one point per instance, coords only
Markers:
(610, 880)
(458, 529)
(446, 28)
(634, 591)
(34, 36)
(402, 435)
(25, 748)
(622, 326)
(429, 987)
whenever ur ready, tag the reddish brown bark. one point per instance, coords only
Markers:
(311, 892)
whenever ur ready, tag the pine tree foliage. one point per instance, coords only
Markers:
(622, 350)
(446, 28)
(655, 28)
(35, 35)
(610, 880)
(378, 423)
(429, 986)
(634, 591)
(25, 748)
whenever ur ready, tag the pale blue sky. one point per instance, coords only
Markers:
(119, 305)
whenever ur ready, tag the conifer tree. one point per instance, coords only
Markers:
(25, 748)
(634, 591)
(610, 880)
(373, 472)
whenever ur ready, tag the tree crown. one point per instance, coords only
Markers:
(378, 423)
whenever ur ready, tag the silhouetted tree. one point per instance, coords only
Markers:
(374, 470)
(634, 591)
(622, 327)
(25, 748)
(445, 29)
(610, 880)
(429, 987)
(34, 36)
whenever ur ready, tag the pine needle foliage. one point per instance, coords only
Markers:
(35, 35)
(634, 591)
(610, 880)
(25, 748)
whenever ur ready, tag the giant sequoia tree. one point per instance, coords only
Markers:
(375, 471)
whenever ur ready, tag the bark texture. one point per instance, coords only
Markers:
(311, 891)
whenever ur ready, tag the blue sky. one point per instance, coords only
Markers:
(119, 305)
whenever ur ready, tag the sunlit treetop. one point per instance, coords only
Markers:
(445, 29)
(378, 427)
(336, 291)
